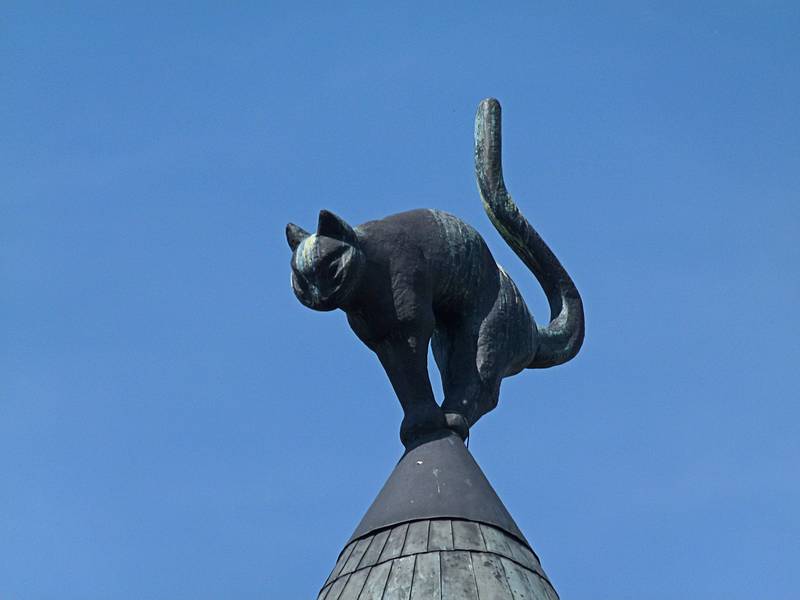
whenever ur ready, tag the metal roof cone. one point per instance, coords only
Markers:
(437, 531)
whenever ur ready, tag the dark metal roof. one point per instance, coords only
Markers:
(439, 559)
(437, 531)
(438, 479)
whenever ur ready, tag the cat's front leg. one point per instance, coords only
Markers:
(404, 356)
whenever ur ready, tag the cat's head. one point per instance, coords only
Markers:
(326, 265)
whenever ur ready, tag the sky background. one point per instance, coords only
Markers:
(174, 424)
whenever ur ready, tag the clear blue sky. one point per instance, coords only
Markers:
(174, 424)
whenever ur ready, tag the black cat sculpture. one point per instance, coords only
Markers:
(426, 276)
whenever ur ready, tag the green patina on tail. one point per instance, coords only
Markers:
(561, 339)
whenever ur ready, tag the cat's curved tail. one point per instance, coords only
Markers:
(561, 339)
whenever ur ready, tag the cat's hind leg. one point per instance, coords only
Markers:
(466, 391)
(505, 344)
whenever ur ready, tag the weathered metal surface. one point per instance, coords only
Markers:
(376, 582)
(343, 557)
(525, 584)
(441, 537)
(336, 588)
(495, 541)
(356, 555)
(435, 480)
(458, 580)
(394, 545)
(424, 277)
(375, 549)
(467, 536)
(398, 586)
(447, 559)
(427, 577)
(523, 555)
(490, 577)
(355, 584)
(417, 537)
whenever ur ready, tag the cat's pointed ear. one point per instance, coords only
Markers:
(335, 227)
(295, 235)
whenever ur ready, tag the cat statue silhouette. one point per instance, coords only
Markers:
(425, 277)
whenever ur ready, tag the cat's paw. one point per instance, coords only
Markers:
(458, 423)
(421, 423)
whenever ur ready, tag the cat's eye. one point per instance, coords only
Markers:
(334, 268)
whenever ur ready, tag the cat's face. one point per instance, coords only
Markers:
(326, 265)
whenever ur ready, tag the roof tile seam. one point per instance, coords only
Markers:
(362, 546)
(505, 574)
(378, 554)
(472, 570)
(361, 589)
(442, 518)
(510, 555)
(483, 537)
(403, 544)
(415, 554)
(340, 589)
(386, 583)
(550, 585)
(337, 568)
(441, 576)
(360, 560)
(539, 575)
(392, 553)
(413, 572)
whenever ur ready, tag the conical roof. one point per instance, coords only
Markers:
(437, 531)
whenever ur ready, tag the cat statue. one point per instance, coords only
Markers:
(425, 276)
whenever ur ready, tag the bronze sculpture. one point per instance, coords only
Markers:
(425, 276)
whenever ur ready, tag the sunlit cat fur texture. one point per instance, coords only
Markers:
(425, 277)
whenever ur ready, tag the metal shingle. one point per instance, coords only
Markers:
(417, 538)
(354, 585)
(519, 582)
(398, 586)
(427, 577)
(496, 540)
(336, 588)
(458, 580)
(394, 545)
(441, 535)
(375, 548)
(356, 555)
(376, 582)
(340, 563)
(467, 536)
(490, 577)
